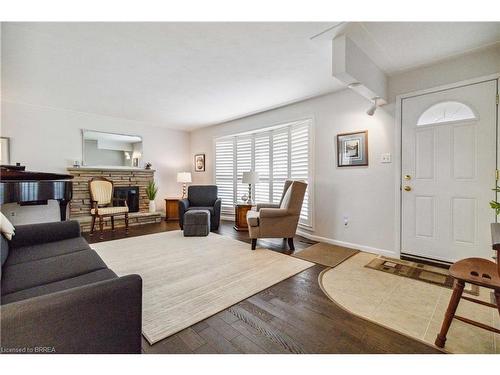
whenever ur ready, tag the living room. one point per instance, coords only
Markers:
(305, 186)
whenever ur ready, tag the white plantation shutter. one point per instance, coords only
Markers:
(280, 168)
(243, 163)
(299, 146)
(224, 172)
(262, 165)
(277, 155)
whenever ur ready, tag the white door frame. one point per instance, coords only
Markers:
(398, 140)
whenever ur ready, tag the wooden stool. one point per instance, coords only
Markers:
(476, 271)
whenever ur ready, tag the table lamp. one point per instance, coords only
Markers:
(250, 178)
(184, 178)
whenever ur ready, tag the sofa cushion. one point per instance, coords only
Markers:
(46, 250)
(44, 271)
(110, 210)
(85, 279)
(4, 249)
(253, 218)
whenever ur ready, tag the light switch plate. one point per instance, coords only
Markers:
(386, 158)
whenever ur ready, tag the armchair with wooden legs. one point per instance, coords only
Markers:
(102, 204)
(278, 220)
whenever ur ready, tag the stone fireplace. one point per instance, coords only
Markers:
(129, 183)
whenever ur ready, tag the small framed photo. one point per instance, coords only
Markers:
(199, 163)
(352, 149)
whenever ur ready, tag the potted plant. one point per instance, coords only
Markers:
(151, 191)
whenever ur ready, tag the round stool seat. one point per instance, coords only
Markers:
(477, 271)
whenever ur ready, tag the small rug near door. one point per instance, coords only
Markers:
(418, 271)
(188, 279)
(326, 254)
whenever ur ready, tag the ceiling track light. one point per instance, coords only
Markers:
(373, 108)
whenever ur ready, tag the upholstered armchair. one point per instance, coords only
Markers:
(202, 197)
(278, 221)
(102, 203)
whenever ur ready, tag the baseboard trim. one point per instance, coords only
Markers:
(367, 249)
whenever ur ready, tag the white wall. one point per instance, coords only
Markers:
(459, 68)
(364, 194)
(49, 140)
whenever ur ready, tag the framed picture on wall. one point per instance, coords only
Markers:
(199, 163)
(4, 151)
(352, 149)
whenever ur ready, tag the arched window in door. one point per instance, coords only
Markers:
(446, 112)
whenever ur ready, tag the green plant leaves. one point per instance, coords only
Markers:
(151, 190)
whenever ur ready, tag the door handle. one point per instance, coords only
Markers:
(407, 177)
(407, 188)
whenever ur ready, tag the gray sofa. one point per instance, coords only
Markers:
(57, 295)
(202, 197)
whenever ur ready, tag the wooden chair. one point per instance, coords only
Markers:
(476, 271)
(101, 200)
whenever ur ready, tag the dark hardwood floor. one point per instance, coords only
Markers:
(293, 316)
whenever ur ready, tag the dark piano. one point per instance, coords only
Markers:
(34, 188)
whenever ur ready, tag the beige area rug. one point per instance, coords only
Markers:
(411, 307)
(188, 279)
(326, 254)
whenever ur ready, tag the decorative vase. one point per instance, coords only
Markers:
(152, 207)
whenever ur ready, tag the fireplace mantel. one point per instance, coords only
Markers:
(107, 169)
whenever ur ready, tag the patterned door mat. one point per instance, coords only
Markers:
(418, 271)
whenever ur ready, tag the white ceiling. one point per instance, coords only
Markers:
(189, 75)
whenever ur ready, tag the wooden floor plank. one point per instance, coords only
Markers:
(258, 338)
(218, 342)
(247, 346)
(222, 328)
(191, 338)
(278, 337)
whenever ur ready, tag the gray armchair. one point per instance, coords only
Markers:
(201, 197)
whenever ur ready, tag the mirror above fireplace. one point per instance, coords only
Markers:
(111, 149)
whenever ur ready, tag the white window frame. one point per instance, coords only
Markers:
(311, 172)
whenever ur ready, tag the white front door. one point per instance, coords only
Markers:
(448, 171)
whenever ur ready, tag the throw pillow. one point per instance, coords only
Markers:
(286, 198)
(6, 227)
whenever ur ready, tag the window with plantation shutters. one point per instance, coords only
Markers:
(224, 166)
(277, 154)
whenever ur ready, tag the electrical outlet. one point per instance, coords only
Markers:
(12, 213)
(385, 158)
(346, 221)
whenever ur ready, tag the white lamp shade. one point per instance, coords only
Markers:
(251, 177)
(184, 177)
